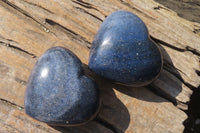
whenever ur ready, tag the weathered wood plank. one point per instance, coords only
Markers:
(14, 120)
(141, 111)
(58, 34)
(28, 28)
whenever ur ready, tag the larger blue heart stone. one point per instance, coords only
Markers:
(58, 92)
(123, 52)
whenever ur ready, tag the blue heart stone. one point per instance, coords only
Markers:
(58, 92)
(123, 52)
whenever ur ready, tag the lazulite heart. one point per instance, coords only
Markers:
(123, 52)
(58, 92)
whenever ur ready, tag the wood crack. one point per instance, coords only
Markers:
(194, 51)
(167, 44)
(130, 6)
(196, 31)
(87, 5)
(17, 48)
(12, 104)
(187, 48)
(83, 10)
(20, 81)
(70, 32)
(24, 13)
(160, 7)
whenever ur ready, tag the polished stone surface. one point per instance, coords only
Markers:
(58, 92)
(123, 52)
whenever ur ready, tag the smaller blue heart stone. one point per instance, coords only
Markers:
(123, 52)
(58, 92)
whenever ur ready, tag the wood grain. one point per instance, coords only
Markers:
(28, 28)
(14, 120)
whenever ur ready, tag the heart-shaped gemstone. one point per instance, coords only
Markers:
(123, 52)
(58, 92)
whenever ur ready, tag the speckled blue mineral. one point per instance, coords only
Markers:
(123, 52)
(58, 92)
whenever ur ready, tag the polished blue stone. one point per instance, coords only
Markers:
(58, 92)
(123, 52)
